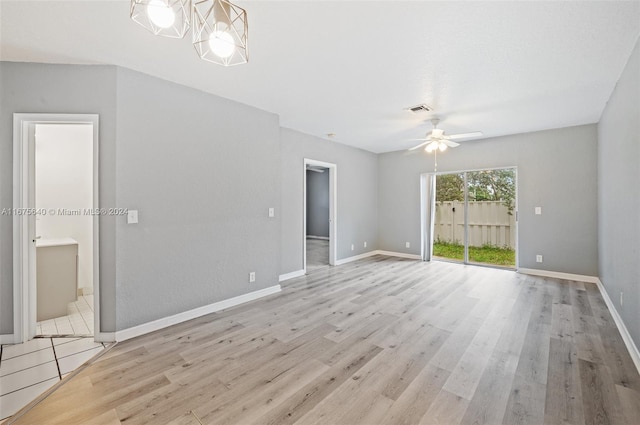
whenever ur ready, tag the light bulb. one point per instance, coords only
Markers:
(221, 44)
(442, 147)
(160, 14)
(429, 148)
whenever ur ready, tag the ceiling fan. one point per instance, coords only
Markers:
(437, 140)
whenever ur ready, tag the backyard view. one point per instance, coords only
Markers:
(485, 254)
(490, 219)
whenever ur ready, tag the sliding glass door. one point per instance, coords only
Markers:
(475, 217)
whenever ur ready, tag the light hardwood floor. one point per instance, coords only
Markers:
(317, 254)
(378, 341)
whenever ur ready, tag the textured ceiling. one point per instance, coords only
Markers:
(351, 68)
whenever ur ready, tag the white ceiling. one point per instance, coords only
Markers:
(351, 67)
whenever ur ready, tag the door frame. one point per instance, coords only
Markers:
(24, 251)
(423, 214)
(333, 209)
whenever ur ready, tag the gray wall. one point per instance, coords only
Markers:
(318, 203)
(40, 88)
(202, 171)
(618, 202)
(357, 196)
(556, 170)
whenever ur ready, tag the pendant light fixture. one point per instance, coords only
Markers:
(220, 32)
(220, 27)
(167, 18)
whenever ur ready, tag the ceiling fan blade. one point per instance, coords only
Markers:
(450, 143)
(465, 135)
(420, 145)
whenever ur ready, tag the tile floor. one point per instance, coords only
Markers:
(27, 370)
(78, 321)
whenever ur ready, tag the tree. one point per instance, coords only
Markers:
(487, 185)
(493, 185)
(450, 187)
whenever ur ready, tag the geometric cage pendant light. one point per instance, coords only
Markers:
(168, 18)
(220, 28)
(220, 32)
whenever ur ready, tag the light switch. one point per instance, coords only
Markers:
(272, 212)
(132, 216)
(538, 210)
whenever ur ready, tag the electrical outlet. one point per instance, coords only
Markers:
(272, 212)
(252, 277)
(538, 210)
(365, 244)
(407, 245)
(621, 299)
(538, 258)
(352, 247)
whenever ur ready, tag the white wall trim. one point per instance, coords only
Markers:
(324, 238)
(355, 258)
(377, 252)
(291, 275)
(624, 332)
(7, 339)
(559, 275)
(105, 337)
(24, 285)
(155, 325)
(333, 210)
(400, 254)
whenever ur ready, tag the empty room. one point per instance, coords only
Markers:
(319, 212)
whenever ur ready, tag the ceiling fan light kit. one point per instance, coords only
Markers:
(220, 28)
(436, 139)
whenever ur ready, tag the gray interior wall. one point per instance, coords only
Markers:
(556, 171)
(357, 196)
(618, 202)
(318, 203)
(41, 88)
(202, 171)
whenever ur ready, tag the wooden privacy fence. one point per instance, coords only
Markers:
(489, 223)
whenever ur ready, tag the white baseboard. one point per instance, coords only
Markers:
(105, 337)
(559, 275)
(400, 254)
(355, 258)
(291, 275)
(377, 252)
(324, 238)
(86, 290)
(624, 332)
(7, 339)
(155, 325)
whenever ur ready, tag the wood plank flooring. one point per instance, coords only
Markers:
(378, 341)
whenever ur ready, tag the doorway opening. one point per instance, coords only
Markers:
(56, 238)
(474, 218)
(319, 214)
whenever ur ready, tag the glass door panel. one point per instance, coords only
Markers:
(491, 220)
(448, 232)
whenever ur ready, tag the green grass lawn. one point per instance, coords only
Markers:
(486, 254)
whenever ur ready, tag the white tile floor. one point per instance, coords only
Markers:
(78, 321)
(27, 370)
